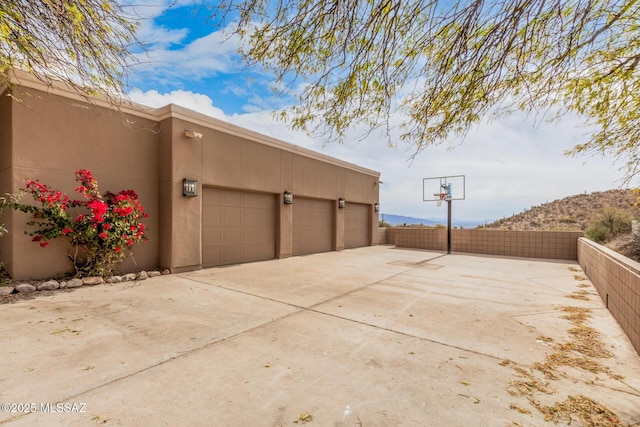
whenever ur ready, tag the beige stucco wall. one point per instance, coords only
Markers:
(52, 136)
(48, 136)
(223, 158)
(5, 173)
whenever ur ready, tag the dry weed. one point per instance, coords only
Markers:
(580, 408)
(528, 385)
(580, 352)
(576, 315)
(581, 295)
(519, 409)
(587, 341)
(548, 369)
(304, 418)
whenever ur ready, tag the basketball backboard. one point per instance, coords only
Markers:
(441, 188)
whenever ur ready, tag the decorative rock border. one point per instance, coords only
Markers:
(51, 285)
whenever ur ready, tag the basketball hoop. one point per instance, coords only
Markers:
(444, 188)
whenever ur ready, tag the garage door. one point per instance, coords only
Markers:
(357, 225)
(237, 226)
(312, 226)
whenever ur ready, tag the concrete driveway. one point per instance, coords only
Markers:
(376, 336)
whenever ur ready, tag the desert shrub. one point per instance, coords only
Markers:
(597, 232)
(610, 223)
(568, 220)
(101, 228)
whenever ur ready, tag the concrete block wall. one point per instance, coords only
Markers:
(421, 238)
(528, 244)
(617, 279)
(382, 235)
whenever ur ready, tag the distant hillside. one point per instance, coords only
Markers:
(409, 220)
(570, 213)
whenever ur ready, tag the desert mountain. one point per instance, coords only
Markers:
(573, 213)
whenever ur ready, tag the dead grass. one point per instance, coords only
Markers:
(528, 385)
(549, 370)
(587, 341)
(304, 418)
(519, 409)
(582, 409)
(581, 295)
(576, 314)
(582, 352)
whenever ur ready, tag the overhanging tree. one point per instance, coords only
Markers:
(84, 43)
(446, 65)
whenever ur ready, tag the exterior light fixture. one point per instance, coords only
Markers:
(341, 203)
(189, 133)
(376, 207)
(288, 198)
(189, 187)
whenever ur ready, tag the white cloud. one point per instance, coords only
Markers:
(203, 57)
(195, 101)
(169, 53)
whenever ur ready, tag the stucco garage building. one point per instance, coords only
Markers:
(241, 177)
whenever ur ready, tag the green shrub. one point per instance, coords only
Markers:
(597, 232)
(610, 223)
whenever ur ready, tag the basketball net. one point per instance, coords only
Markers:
(440, 197)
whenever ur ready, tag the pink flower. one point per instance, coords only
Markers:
(66, 231)
(103, 235)
(116, 249)
(98, 207)
(44, 244)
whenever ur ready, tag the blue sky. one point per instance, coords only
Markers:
(510, 164)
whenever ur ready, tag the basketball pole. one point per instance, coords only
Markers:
(449, 226)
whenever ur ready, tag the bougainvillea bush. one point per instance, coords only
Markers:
(101, 228)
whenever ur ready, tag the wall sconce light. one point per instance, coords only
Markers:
(189, 133)
(189, 187)
(341, 203)
(376, 207)
(288, 198)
